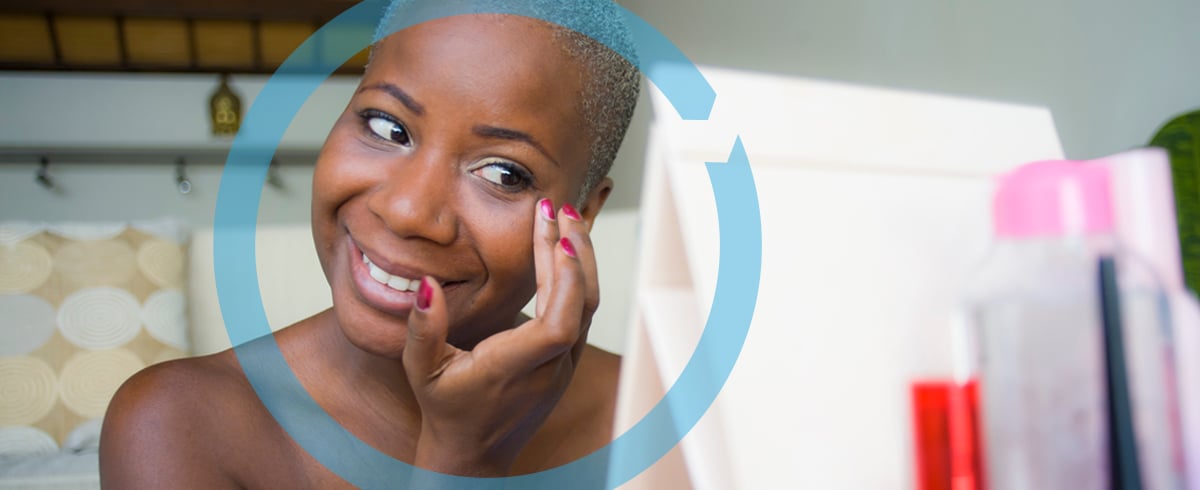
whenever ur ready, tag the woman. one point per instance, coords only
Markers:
(461, 179)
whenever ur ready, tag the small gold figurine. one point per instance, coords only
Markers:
(225, 109)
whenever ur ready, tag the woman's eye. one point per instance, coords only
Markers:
(389, 130)
(507, 175)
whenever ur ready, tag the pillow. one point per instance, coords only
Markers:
(82, 308)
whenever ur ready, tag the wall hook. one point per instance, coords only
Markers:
(43, 175)
(273, 177)
(181, 179)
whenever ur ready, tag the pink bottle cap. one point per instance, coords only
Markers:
(1053, 198)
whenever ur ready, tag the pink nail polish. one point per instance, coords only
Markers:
(547, 208)
(424, 294)
(567, 246)
(571, 212)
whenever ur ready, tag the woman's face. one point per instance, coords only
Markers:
(458, 128)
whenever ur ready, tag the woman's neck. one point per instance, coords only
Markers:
(367, 393)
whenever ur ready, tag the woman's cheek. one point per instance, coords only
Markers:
(506, 238)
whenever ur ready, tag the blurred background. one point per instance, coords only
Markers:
(119, 111)
(124, 74)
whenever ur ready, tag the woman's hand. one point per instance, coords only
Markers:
(481, 407)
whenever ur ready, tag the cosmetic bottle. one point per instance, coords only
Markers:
(1144, 207)
(1068, 337)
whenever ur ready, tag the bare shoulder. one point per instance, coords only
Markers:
(198, 423)
(167, 425)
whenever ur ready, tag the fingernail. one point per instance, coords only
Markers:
(424, 294)
(567, 246)
(571, 212)
(547, 209)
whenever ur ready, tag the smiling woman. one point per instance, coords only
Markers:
(462, 178)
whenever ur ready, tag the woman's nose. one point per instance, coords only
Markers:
(415, 200)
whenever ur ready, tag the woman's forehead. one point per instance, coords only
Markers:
(489, 67)
(514, 62)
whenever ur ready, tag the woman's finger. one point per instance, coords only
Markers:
(545, 239)
(426, 350)
(574, 228)
(557, 330)
(571, 225)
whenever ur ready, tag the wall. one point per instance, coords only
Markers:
(104, 192)
(1111, 71)
(108, 111)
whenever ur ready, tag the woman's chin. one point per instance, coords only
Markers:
(371, 331)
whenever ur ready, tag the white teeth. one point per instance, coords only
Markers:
(378, 273)
(395, 282)
(398, 283)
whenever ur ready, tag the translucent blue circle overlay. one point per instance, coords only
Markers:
(335, 447)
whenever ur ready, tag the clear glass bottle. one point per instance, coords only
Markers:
(1035, 342)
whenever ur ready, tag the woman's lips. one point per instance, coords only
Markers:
(377, 295)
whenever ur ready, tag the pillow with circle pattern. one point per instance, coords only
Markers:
(82, 308)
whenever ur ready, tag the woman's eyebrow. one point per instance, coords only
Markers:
(512, 135)
(398, 94)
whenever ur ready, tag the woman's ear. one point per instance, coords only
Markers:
(595, 200)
